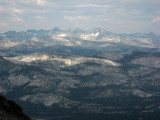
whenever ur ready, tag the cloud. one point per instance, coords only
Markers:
(1, 8)
(3, 24)
(81, 13)
(26, 1)
(84, 18)
(40, 18)
(133, 1)
(70, 12)
(41, 2)
(18, 19)
(17, 10)
(156, 20)
(94, 5)
(101, 18)
(106, 19)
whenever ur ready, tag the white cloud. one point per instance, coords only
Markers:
(3, 24)
(156, 20)
(41, 2)
(18, 19)
(134, 1)
(17, 10)
(107, 20)
(1, 8)
(94, 5)
(73, 12)
(38, 11)
(84, 18)
(102, 18)
(40, 18)
(26, 1)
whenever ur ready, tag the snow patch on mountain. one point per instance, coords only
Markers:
(61, 35)
(89, 36)
(115, 39)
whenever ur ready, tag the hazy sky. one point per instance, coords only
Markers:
(121, 16)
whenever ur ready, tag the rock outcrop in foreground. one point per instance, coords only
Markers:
(9, 110)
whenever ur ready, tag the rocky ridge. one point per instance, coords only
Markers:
(9, 110)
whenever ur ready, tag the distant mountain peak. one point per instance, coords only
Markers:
(32, 30)
(56, 29)
(152, 34)
(10, 32)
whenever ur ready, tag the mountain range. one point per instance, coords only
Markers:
(78, 74)
(98, 39)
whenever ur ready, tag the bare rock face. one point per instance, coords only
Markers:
(9, 110)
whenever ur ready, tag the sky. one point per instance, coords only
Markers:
(119, 16)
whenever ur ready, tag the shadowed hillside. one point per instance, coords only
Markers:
(9, 110)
